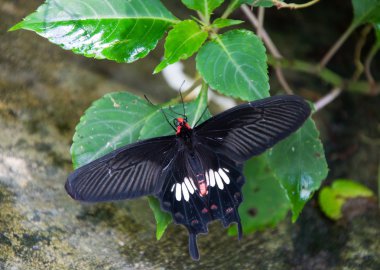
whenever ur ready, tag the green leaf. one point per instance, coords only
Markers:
(265, 203)
(118, 30)
(221, 23)
(366, 11)
(377, 31)
(331, 199)
(163, 219)
(299, 163)
(237, 3)
(182, 42)
(256, 3)
(235, 64)
(262, 3)
(206, 7)
(111, 122)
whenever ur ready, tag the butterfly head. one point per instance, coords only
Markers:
(181, 124)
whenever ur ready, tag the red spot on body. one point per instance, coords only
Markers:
(202, 188)
(181, 124)
(204, 211)
(214, 207)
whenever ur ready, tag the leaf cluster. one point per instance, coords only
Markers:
(233, 62)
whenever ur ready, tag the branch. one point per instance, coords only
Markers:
(358, 52)
(260, 26)
(326, 75)
(327, 99)
(367, 65)
(269, 44)
(336, 46)
(279, 4)
(264, 35)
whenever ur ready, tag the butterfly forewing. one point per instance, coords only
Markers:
(128, 172)
(252, 128)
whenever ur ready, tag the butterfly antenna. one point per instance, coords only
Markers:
(183, 103)
(172, 110)
(162, 111)
(199, 119)
(167, 120)
(150, 102)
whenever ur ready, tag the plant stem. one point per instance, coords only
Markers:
(367, 65)
(260, 26)
(310, 68)
(264, 35)
(326, 75)
(336, 46)
(327, 99)
(279, 4)
(231, 7)
(282, 80)
(358, 52)
(269, 44)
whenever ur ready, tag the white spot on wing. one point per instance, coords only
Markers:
(188, 185)
(219, 181)
(172, 188)
(226, 170)
(224, 176)
(185, 192)
(178, 193)
(212, 178)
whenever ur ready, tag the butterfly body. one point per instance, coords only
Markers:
(196, 173)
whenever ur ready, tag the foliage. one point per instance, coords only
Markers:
(331, 199)
(300, 165)
(233, 62)
(268, 203)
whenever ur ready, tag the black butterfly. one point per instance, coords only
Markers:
(197, 173)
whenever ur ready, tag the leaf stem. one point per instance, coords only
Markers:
(358, 52)
(279, 4)
(367, 64)
(336, 46)
(231, 7)
(327, 99)
(326, 75)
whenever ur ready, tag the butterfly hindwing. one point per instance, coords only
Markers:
(183, 197)
(128, 172)
(252, 128)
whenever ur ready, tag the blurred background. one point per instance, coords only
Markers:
(43, 92)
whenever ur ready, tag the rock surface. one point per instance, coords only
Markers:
(44, 90)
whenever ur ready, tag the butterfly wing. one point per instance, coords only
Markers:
(250, 129)
(181, 193)
(131, 171)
